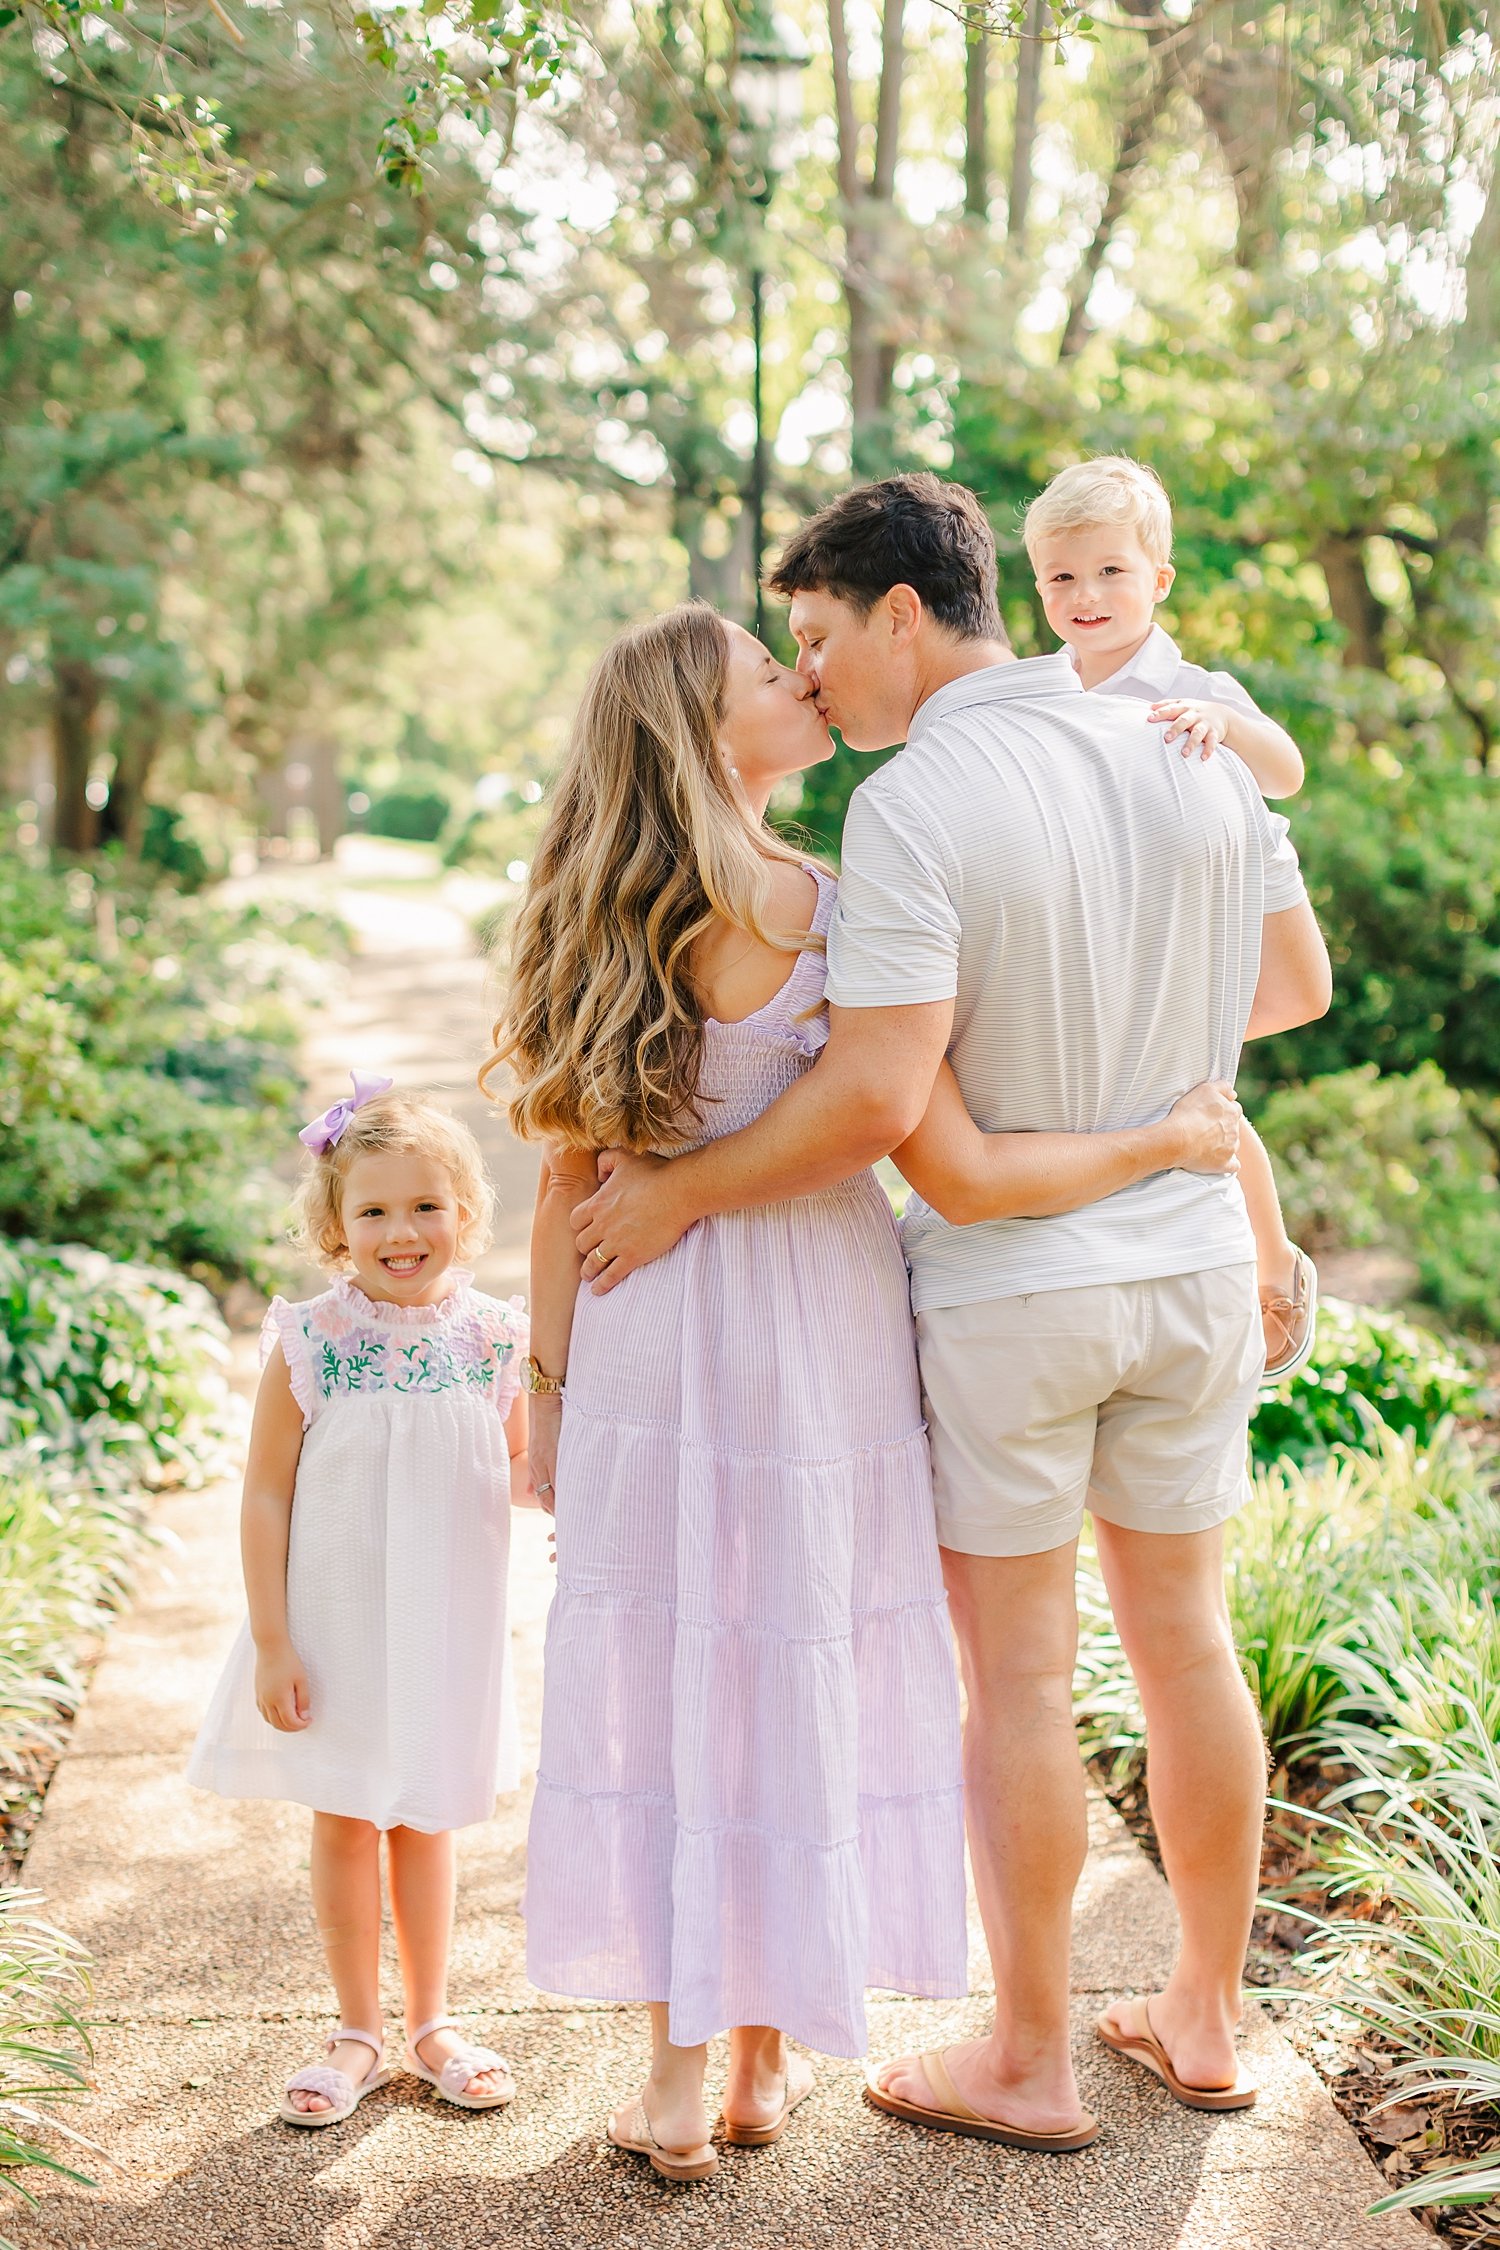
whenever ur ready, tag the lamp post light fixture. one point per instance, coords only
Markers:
(767, 90)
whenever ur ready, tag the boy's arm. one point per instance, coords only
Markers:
(1201, 723)
(1267, 749)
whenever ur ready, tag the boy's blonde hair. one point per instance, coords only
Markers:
(1111, 490)
(395, 1124)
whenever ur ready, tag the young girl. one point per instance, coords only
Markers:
(369, 1679)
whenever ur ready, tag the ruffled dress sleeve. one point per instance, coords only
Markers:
(286, 1325)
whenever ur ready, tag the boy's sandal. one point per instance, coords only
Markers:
(761, 2136)
(1145, 2048)
(672, 2163)
(335, 2086)
(460, 2069)
(1290, 1323)
(956, 2116)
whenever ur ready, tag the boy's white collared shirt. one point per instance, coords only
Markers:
(1159, 670)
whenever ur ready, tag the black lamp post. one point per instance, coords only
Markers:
(767, 89)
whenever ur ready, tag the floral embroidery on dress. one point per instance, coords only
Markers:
(344, 1342)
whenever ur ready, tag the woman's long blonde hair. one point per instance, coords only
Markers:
(646, 845)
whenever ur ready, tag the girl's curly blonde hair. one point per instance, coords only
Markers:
(395, 1124)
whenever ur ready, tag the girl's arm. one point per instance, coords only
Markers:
(281, 1690)
(517, 1434)
(967, 1175)
(567, 1176)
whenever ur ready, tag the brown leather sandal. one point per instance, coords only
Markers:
(1145, 2048)
(673, 2164)
(955, 2115)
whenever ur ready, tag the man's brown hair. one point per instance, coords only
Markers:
(912, 531)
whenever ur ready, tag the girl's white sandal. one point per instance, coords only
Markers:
(335, 2086)
(460, 2069)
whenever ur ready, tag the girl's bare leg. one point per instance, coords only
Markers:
(346, 1903)
(673, 2093)
(422, 1891)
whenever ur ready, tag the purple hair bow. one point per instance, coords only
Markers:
(325, 1131)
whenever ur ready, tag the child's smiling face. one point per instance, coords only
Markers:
(401, 1221)
(1099, 588)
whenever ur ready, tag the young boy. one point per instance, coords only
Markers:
(1100, 542)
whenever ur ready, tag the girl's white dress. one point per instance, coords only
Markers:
(396, 1571)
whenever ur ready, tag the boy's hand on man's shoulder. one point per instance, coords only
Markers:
(1194, 725)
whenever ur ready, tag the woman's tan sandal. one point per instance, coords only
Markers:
(761, 2136)
(1144, 2047)
(955, 2116)
(672, 2163)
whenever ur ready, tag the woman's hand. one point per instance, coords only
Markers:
(1205, 1129)
(546, 1428)
(282, 1696)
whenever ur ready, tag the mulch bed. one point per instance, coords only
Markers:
(1403, 2140)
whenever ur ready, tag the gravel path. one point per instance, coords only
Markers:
(209, 1987)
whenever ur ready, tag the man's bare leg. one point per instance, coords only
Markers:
(1016, 1618)
(1207, 1779)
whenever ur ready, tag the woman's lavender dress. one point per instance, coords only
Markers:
(749, 1802)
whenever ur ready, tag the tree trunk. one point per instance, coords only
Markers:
(137, 740)
(977, 123)
(868, 207)
(1023, 138)
(1460, 585)
(1140, 124)
(77, 692)
(1355, 604)
(1244, 95)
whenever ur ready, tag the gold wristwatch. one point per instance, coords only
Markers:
(533, 1380)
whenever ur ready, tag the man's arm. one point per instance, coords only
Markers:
(868, 1092)
(1296, 981)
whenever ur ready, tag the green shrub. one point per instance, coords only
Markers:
(1314, 1562)
(1403, 866)
(147, 1069)
(1366, 1366)
(44, 2047)
(416, 811)
(1399, 1161)
(113, 1370)
(67, 1556)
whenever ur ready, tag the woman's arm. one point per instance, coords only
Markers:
(967, 1175)
(281, 1690)
(567, 1176)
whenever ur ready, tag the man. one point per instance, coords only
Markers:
(1088, 925)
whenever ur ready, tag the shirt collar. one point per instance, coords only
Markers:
(1156, 664)
(1025, 681)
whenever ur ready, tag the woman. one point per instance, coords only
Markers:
(749, 1803)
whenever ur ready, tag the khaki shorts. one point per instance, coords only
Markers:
(1131, 1399)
